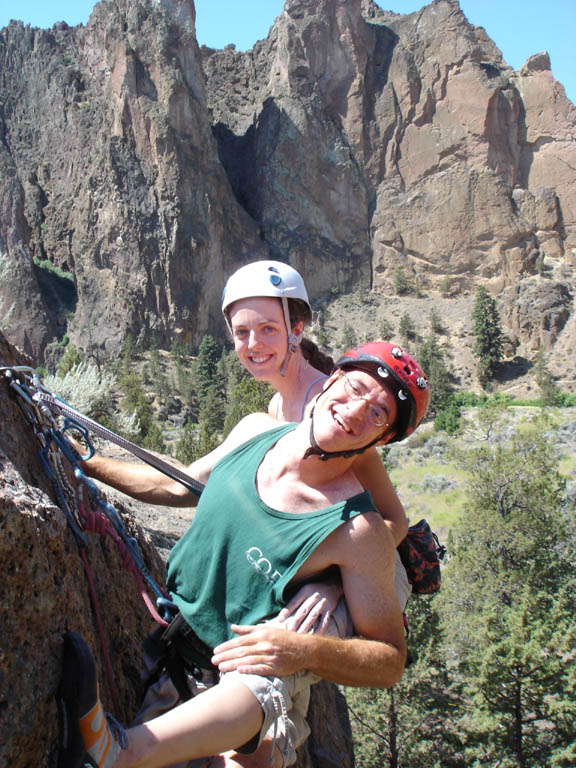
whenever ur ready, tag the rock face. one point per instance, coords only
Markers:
(117, 179)
(45, 592)
(351, 142)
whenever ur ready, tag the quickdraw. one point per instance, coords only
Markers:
(37, 404)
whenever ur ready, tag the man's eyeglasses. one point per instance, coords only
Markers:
(377, 415)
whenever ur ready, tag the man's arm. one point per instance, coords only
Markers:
(147, 484)
(364, 550)
(268, 650)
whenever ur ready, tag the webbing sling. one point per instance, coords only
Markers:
(60, 406)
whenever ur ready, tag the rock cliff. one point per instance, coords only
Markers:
(44, 592)
(137, 170)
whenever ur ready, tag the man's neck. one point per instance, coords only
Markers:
(288, 482)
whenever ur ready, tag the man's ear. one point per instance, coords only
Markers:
(331, 379)
(386, 437)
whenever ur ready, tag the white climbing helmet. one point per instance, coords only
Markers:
(269, 279)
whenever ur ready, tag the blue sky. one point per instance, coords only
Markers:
(518, 27)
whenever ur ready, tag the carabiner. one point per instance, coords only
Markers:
(69, 450)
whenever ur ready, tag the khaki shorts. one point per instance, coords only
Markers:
(284, 700)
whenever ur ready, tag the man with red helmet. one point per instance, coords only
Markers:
(274, 513)
(395, 371)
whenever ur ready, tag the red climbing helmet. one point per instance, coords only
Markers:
(398, 371)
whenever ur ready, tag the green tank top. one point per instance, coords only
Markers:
(235, 561)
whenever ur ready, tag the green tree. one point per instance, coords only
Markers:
(206, 366)
(407, 329)
(446, 287)
(436, 324)
(211, 412)
(349, 337)
(487, 334)
(550, 393)
(207, 440)
(510, 589)
(322, 339)
(129, 354)
(244, 394)
(136, 402)
(186, 447)
(405, 284)
(411, 722)
(432, 358)
(523, 699)
(71, 358)
(385, 329)
(152, 437)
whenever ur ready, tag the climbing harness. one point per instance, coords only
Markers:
(39, 406)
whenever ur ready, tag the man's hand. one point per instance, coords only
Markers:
(262, 650)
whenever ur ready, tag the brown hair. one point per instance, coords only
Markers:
(301, 312)
(316, 357)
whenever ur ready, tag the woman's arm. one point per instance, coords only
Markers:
(147, 484)
(372, 475)
(311, 607)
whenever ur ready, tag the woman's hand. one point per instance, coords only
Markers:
(311, 607)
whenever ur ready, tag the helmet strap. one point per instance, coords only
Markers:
(293, 338)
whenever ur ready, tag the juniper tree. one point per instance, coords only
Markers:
(487, 334)
(349, 337)
(407, 329)
(206, 366)
(549, 389)
(385, 329)
(436, 325)
(510, 590)
(432, 358)
(410, 724)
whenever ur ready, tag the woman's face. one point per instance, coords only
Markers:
(260, 336)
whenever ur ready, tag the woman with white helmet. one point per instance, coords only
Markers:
(266, 307)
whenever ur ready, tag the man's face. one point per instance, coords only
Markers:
(353, 412)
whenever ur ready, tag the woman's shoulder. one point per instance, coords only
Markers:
(315, 386)
(274, 406)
